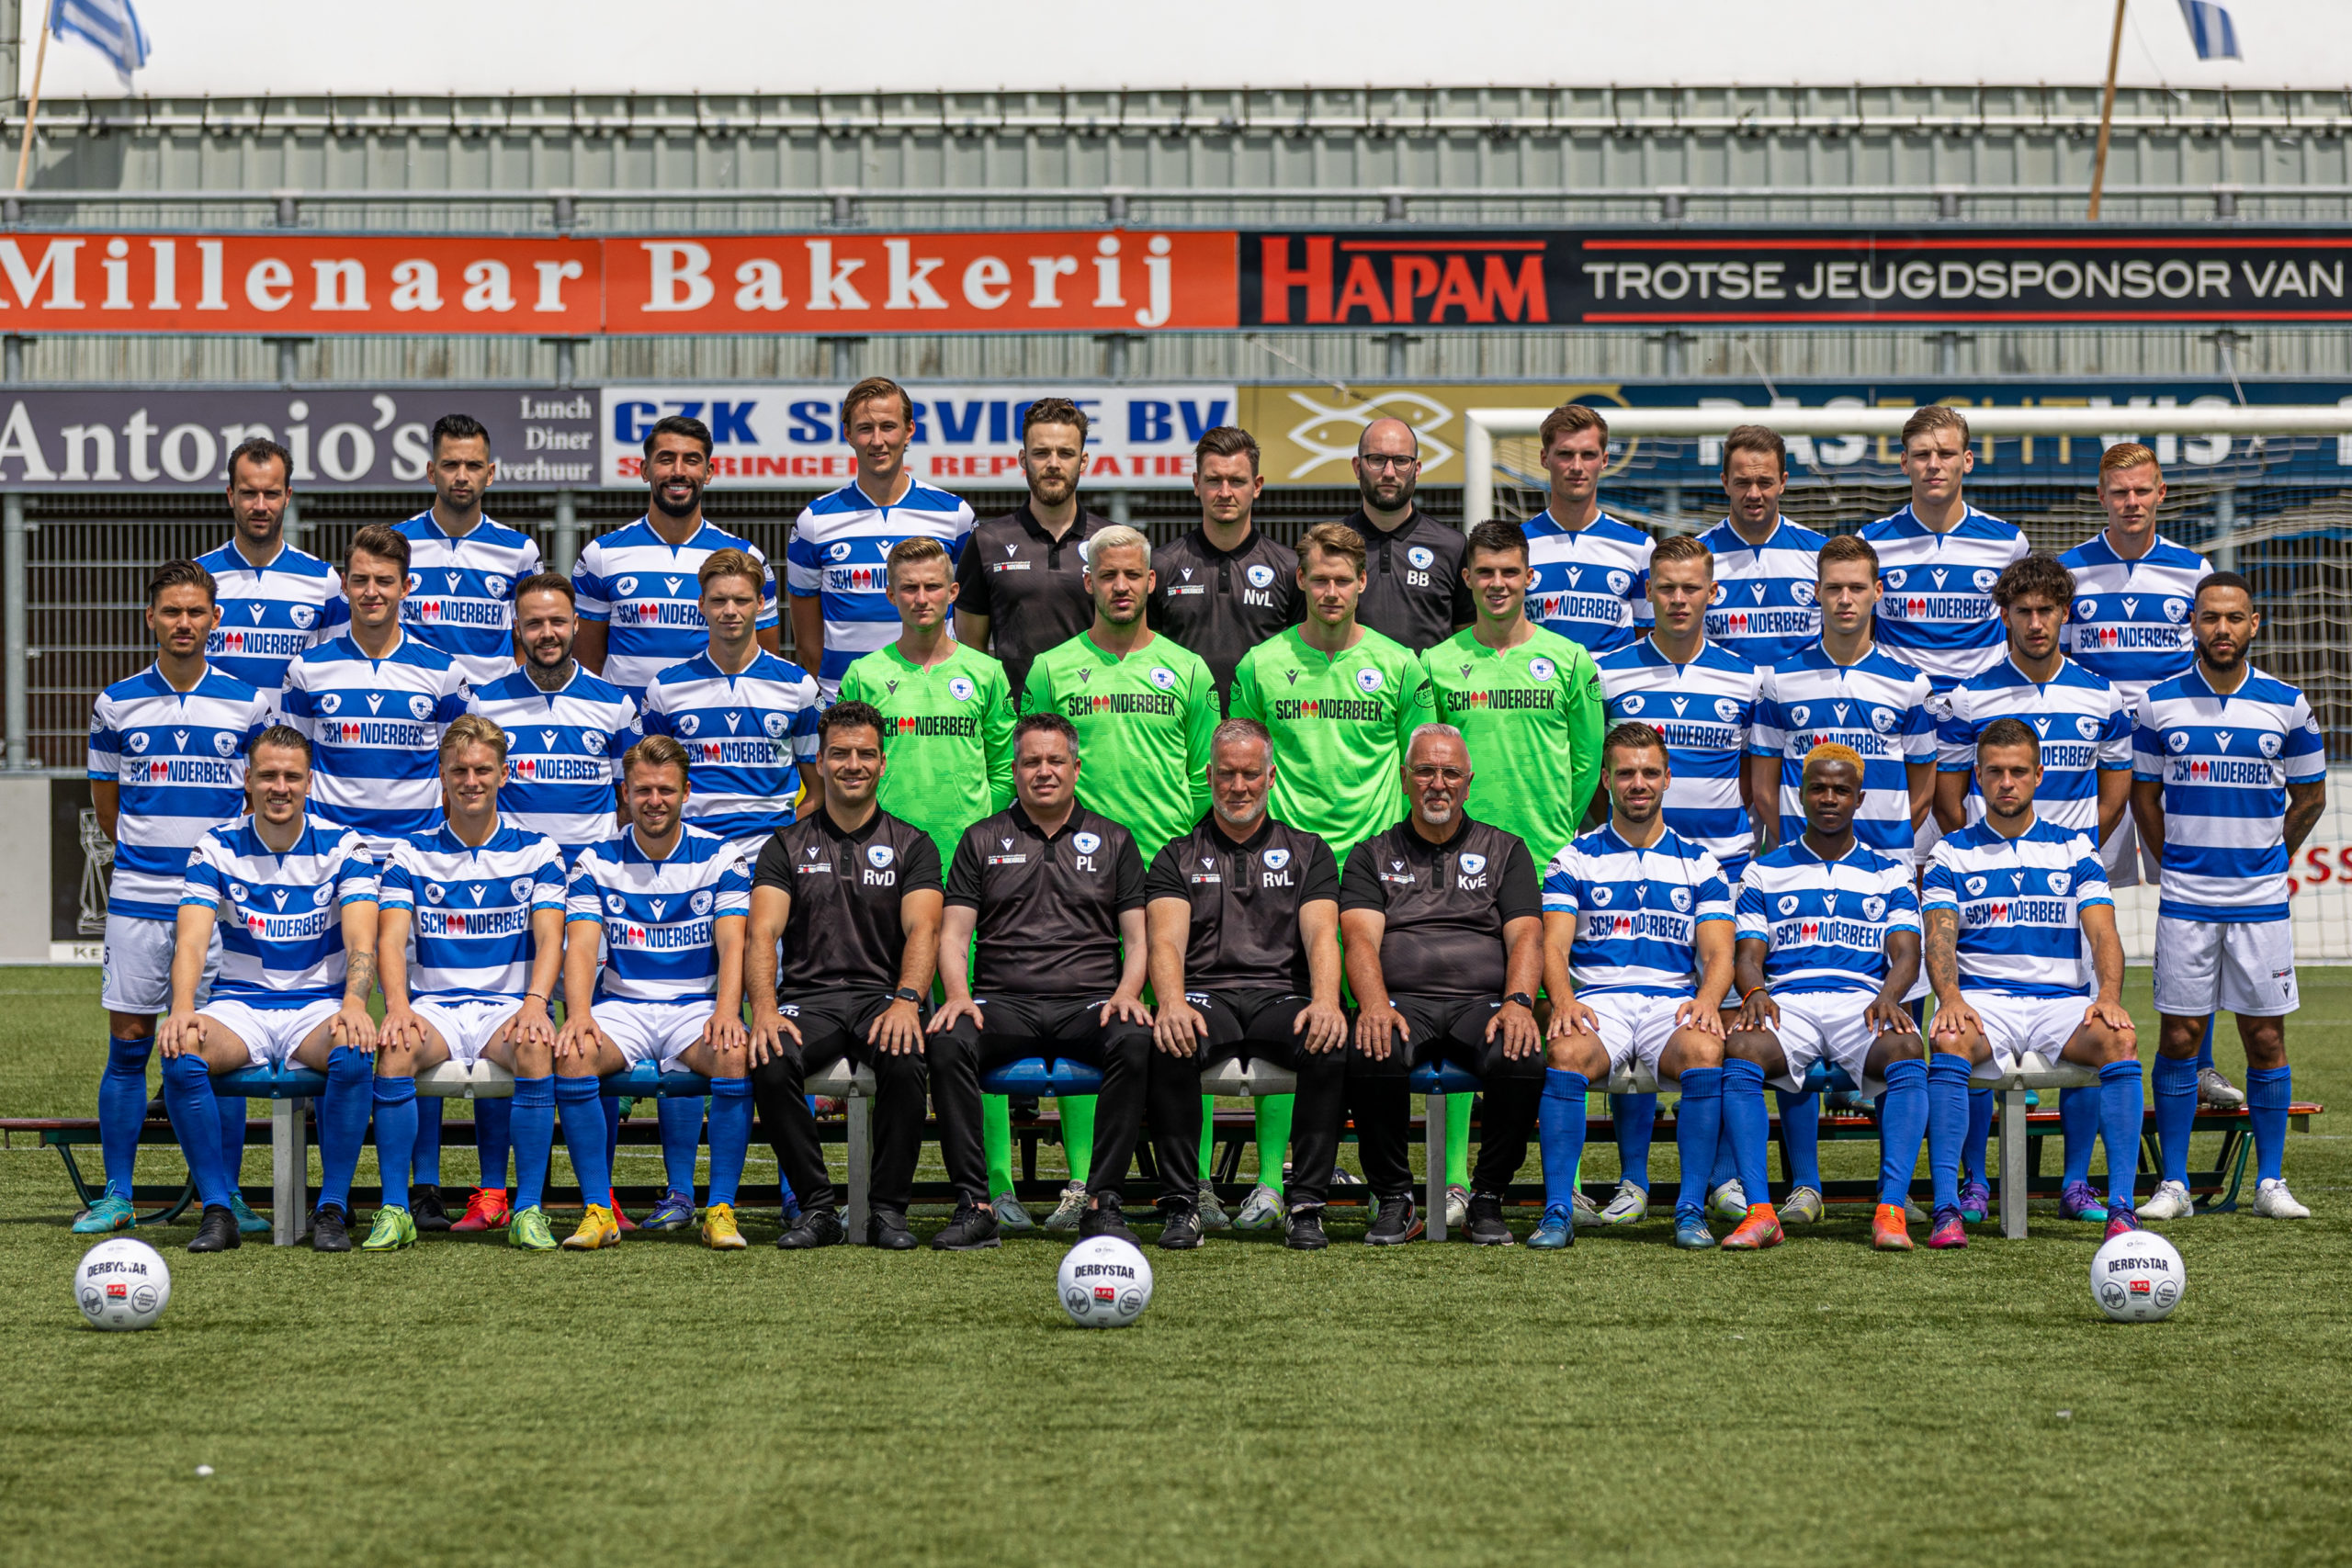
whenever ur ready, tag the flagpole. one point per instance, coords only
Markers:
(40, 62)
(2106, 112)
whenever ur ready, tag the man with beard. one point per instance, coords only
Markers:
(463, 567)
(1021, 585)
(1414, 591)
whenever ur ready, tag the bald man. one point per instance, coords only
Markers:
(1415, 594)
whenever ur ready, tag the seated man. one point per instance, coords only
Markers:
(849, 897)
(668, 903)
(1637, 961)
(1244, 916)
(486, 900)
(1055, 893)
(1828, 945)
(2010, 902)
(297, 959)
(1443, 926)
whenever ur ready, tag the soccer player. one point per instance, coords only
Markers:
(835, 565)
(485, 901)
(1021, 581)
(293, 896)
(1054, 892)
(669, 902)
(1764, 608)
(1414, 591)
(1244, 919)
(1589, 567)
(2229, 776)
(1938, 558)
(1226, 587)
(1441, 917)
(2011, 901)
(166, 763)
(1143, 708)
(1827, 949)
(639, 587)
(464, 568)
(850, 896)
(275, 599)
(1637, 944)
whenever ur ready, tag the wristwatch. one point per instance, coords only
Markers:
(907, 994)
(1522, 998)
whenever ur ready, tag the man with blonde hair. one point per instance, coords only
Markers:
(1938, 558)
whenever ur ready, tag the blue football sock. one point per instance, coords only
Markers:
(1559, 1131)
(2269, 1092)
(1636, 1119)
(1979, 1131)
(1902, 1122)
(2080, 1118)
(1948, 1123)
(681, 1121)
(1725, 1167)
(2205, 1046)
(122, 1107)
(730, 1135)
(612, 1114)
(2175, 1111)
(342, 1123)
(494, 1134)
(1801, 1133)
(531, 1121)
(2119, 1103)
(187, 1097)
(232, 1135)
(396, 1125)
(583, 1137)
(1698, 1130)
(1747, 1126)
(428, 1142)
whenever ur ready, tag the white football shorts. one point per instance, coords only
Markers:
(135, 967)
(270, 1033)
(1825, 1026)
(659, 1033)
(2203, 965)
(2026, 1033)
(1634, 1028)
(467, 1027)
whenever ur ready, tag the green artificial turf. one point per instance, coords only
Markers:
(461, 1404)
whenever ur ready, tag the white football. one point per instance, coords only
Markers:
(122, 1284)
(2137, 1277)
(1104, 1284)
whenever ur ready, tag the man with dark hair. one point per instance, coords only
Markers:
(463, 567)
(1763, 610)
(1414, 592)
(566, 730)
(1226, 587)
(1587, 569)
(275, 599)
(1022, 578)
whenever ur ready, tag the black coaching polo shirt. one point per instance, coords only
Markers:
(1245, 899)
(1446, 904)
(1048, 907)
(1222, 603)
(1030, 585)
(845, 929)
(1413, 590)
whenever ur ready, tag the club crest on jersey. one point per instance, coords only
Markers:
(699, 903)
(240, 892)
(1162, 677)
(225, 743)
(330, 703)
(2059, 882)
(840, 550)
(1369, 680)
(1788, 904)
(433, 894)
(1874, 907)
(1636, 703)
(1086, 843)
(592, 741)
(2176, 741)
(1473, 864)
(2176, 610)
(880, 856)
(1541, 669)
(1895, 578)
(137, 742)
(1680, 898)
(1619, 582)
(1602, 896)
(1261, 575)
(1985, 577)
(1801, 592)
(775, 724)
(2086, 609)
(321, 894)
(625, 588)
(960, 689)
(614, 902)
(519, 890)
(1883, 720)
(1275, 859)
(420, 705)
(2268, 745)
(1728, 710)
(2086, 727)
(1801, 716)
(688, 723)
(1420, 555)
(1975, 887)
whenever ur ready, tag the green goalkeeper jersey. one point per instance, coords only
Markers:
(949, 742)
(1341, 723)
(1532, 715)
(1144, 724)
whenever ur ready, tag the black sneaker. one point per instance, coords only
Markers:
(817, 1227)
(973, 1228)
(1179, 1227)
(1486, 1227)
(1397, 1222)
(887, 1228)
(330, 1229)
(1306, 1232)
(1105, 1217)
(424, 1209)
(217, 1232)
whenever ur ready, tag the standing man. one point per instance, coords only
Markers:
(1414, 591)
(835, 565)
(1588, 569)
(638, 586)
(1022, 579)
(275, 601)
(1938, 558)
(1225, 587)
(1763, 609)
(186, 728)
(464, 568)
(2229, 777)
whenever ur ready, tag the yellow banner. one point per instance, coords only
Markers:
(1309, 434)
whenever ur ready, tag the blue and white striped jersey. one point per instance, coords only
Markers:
(375, 727)
(1702, 711)
(646, 592)
(1825, 922)
(177, 762)
(658, 915)
(271, 614)
(747, 736)
(2018, 901)
(2225, 762)
(461, 592)
(1592, 585)
(1878, 706)
(1764, 609)
(563, 754)
(1937, 609)
(471, 909)
(1638, 911)
(839, 544)
(280, 917)
(2130, 619)
(2080, 718)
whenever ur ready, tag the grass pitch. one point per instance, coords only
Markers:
(461, 1404)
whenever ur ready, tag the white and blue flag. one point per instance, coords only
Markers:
(2209, 30)
(111, 26)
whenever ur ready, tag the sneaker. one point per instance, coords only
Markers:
(217, 1232)
(2170, 1201)
(973, 1227)
(1976, 1202)
(330, 1229)
(248, 1223)
(719, 1232)
(597, 1228)
(1728, 1201)
(674, 1212)
(1263, 1209)
(393, 1229)
(1104, 1217)
(2081, 1201)
(1304, 1232)
(110, 1214)
(1013, 1214)
(1630, 1207)
(1457, 1207)
(1070, 1211)
(2217, 1091)
(1179, 1229)
(1802, 1207)
(485, 1210)
(2273, 1202)
(424, 1209)
(1211, 1209)
(1951, 1230)
(1890, 1231)
(528, 1230)
(816, 1227)
(1913, 1213)
(1758, 1229)
(2120, 1222)
(1397, 1222)
(1486, 1227)
(1691, 1235)
(1556, 1230)
(886, 1229)
(620, 1217)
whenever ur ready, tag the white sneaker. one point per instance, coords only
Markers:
(1262, 1207)
(2170, 1202)
(1070, 1209)
(1588, 1212)
(1212, 1210)
(1457, 1207)
(1728, 1201)
(1802, 1207)
(2217, 1091)
(1631, 1206)
(2273, 1202)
